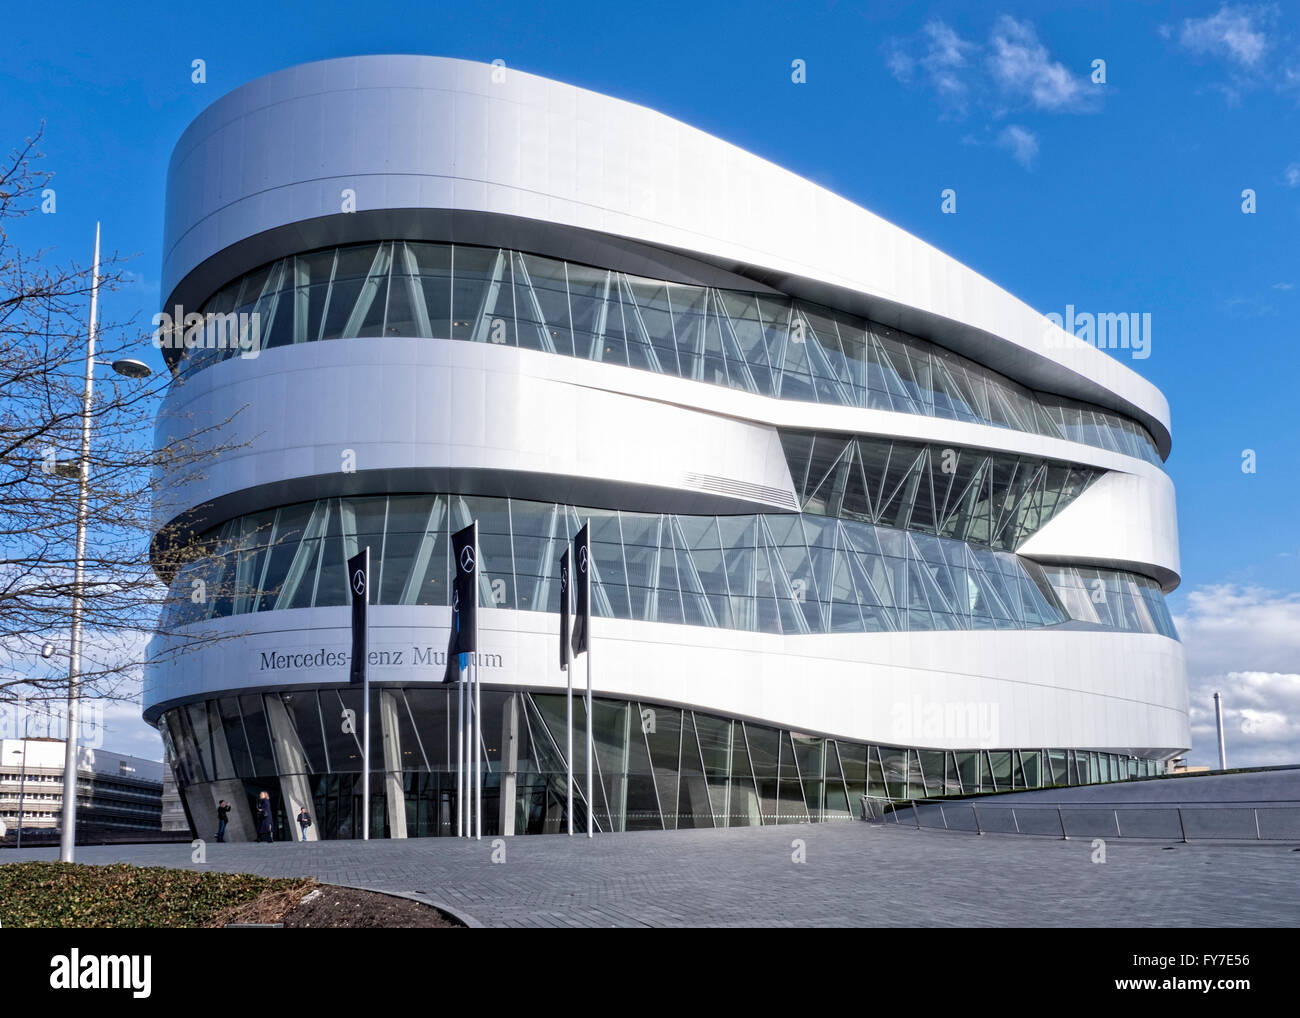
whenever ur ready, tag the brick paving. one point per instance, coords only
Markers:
(855, 874)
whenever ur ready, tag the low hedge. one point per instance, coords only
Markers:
(118, 896)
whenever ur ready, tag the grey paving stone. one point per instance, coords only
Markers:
(855, 875)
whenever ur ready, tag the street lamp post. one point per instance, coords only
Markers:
(22, 784)
(68, 837)
(131, 369)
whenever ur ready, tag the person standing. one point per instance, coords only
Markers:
(264, 818)
(223, 816)
(304, 821)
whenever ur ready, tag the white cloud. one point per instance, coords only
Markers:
(1022, 68)
(1021, 143)
(945, 59)
(125, 731)
(1261, 719)
(1236, 34)
(943, 56)
(1012, 71)
(1292, 175)
(139, 281)
(1243, 642)
(1017, 69)
(116, 719)
(900, 64)
(1244, 40)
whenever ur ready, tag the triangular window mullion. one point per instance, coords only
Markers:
(545, 342)
(893, 378)
(415, 292)
(942, 512)
(375, 282)
(866, 484)
(415, 578)
(1001, 511)
(813, 489)
(737, 363)
(909, 481)
(784, 588)
(643, 333)
(488, 302)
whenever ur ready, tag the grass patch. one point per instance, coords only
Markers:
(72, 895)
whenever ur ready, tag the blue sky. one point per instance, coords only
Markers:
(1124, 196)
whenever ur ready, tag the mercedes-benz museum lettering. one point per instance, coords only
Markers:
(862, 523)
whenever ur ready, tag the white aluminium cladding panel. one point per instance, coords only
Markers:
(320, 413)
(450, 405)
(419, 132)
(1121, 521)
(1124, 692)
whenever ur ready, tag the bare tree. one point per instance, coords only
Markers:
(43, 336)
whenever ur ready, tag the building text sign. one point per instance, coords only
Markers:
(381, 657)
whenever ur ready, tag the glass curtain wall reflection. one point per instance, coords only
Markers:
(986, 498)
(765, 343)
(655, 767)
(780, 573)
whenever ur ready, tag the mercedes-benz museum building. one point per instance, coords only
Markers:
(863, 523)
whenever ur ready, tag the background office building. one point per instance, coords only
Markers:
(863, 522)
(116, 794)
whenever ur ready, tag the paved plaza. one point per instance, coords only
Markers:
(854, 874)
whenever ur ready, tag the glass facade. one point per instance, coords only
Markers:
(761, 343)
(970, 495)
(656, 767)
(1112, 599)
(779, 573)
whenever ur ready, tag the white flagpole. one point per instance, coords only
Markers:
(469, 751)
(568, 731)
(68, 836)
(591, 802)
(365, 759)
(460, 755)
(478, 750)
(365, 721)
(476, 743)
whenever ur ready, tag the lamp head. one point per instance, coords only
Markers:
(129, 367)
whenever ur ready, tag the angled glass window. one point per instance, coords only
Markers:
(765, 343)
(775, 573)
(983, 498)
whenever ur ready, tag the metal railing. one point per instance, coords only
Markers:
(1279, 822)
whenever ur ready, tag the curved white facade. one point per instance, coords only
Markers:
(418, 133)
(578, 223)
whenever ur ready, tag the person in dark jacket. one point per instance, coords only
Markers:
(304, 821)
(264, 818)
(223, 815)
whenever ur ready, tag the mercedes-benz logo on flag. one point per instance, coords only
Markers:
(582, 558)
(467, 559)
(455, 599)
(359, 582)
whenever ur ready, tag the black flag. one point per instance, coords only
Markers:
(464, 600)
(359, 585)
(564, 610)
(582, 590)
